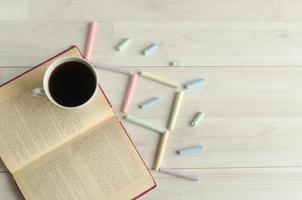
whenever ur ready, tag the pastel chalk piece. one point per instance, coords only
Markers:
(113, 68)
(176, 63)
(190, 150)
(197, 119)
(149, 103)
(144, 124)
(175, 109)
(159, 79)
(180, 174)
(161, 150)
(150, 49)
(194, 84)
(124, 44)
(129, 92)
(90, 40)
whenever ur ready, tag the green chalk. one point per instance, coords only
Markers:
(144, 124)
(197, 119)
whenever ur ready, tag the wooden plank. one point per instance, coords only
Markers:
(201, 10)
(2, 167)
(195, 43)
(231, 184)
(252, 115)
(228, 184)
(14, 10)
(8, 188)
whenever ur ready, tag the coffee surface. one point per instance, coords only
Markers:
(72, 84)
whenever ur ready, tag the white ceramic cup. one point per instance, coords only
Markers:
(44, 91)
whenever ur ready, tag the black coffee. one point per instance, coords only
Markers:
(72, 84)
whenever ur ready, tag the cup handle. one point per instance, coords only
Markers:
(38, 92)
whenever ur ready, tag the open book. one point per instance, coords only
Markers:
(55, 153)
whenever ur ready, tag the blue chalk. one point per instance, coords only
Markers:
(150, 102)
(190, 150)
(194, 84)
(150, 49)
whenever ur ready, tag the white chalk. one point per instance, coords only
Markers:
(180, 174)
(194, 84)
(150, 49)
(124, 44)
(176, 63)
(150, 102)
(190, 150)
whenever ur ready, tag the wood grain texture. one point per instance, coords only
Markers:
(195, 43)
(199, 33)
(11, 10)
(215, 184)
(203, 10)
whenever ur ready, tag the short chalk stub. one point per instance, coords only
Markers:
(198, 117)
(190, 150)
(149, 103)
(150, 49)
(194, 84)
(124, 44)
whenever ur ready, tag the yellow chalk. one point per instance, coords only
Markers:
(159, 79)
(175, 109)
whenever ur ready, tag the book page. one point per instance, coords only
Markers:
(30, 126)
(99, 164)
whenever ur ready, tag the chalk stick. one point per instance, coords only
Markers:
(197, 119)
(159, 79)
(90, 40)
(194, 84)
(144, 124)
(150, 102)
(180, 174)
(113, 68)
(175, 109)
(129, 92)
(150, 49)
(161, 150)
(124, 44)
(190, 150)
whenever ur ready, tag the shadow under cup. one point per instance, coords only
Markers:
(72, 84)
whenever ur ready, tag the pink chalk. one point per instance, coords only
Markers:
(129, 92)
(177, 173)
(90, 40)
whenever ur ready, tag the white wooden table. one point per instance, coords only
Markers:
(249, 52)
